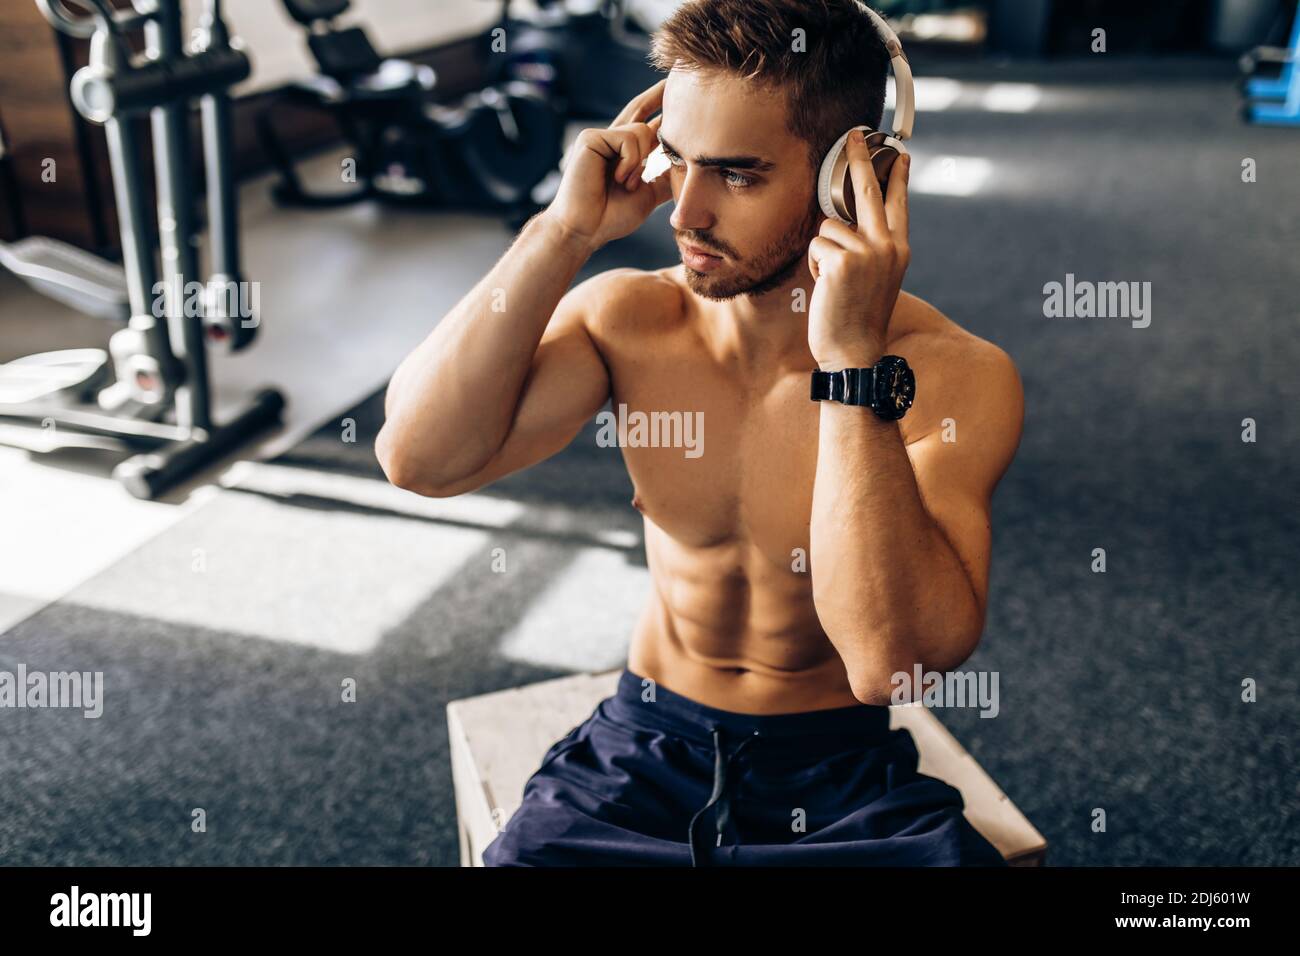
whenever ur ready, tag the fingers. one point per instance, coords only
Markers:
(842, 234)
(822, 254)
(628, 145)
(636, 142)
(896, 199)
(839, 244)
(642, 106)
(633, 140)
(663, 189)
(629, 160)
(870, 203)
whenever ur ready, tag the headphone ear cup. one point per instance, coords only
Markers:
(882, 161)
(835, 192)
(834, 167)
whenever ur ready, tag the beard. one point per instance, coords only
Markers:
(769, 269)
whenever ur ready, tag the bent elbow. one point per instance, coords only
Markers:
(434, 471)
(400, 470)
(874, 686)
(899, 678)
(399, 475)
(873, 693)
(873, 668)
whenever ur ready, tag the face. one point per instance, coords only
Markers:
(742, 183)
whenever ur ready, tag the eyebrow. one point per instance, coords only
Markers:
(731, 162)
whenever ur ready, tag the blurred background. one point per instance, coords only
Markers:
(203, 520)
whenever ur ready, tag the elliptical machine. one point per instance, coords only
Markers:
(157, 401)
(487, 152)
(589, 63)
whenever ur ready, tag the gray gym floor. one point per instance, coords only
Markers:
(226, 626)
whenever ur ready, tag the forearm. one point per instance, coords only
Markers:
(451, 401)
(889, 589)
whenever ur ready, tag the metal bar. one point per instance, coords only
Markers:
(223, 209)
(98, 422)
(176, 230)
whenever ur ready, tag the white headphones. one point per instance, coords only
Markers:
(834, 187)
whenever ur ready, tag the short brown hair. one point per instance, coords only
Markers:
(835, 83)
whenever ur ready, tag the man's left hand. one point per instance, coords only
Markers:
(858, 269)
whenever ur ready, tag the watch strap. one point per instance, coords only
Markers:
(849, 386)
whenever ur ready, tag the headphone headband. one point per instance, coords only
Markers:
(834, 188)
(904, 102)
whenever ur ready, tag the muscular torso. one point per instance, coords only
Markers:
(731, 621)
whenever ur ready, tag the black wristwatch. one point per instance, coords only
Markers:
(887, 388)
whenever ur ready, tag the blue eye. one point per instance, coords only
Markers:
(732, 178)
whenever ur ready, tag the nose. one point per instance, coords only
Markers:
(691, 209)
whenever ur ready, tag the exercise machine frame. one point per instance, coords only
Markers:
(161, 367)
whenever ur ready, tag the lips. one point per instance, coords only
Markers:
(700, 261)
(697, 251)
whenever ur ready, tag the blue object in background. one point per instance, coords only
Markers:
(1286, 86)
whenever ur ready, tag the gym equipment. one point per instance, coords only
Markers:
(1285, 87)
(1275, 87)
(156, 401)
(488, 152)
(591, 64)
(73, 276)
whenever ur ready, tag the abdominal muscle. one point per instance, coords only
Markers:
(728, 629)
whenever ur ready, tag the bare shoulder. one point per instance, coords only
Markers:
(918, 325)
(961, 379)
(625, 302)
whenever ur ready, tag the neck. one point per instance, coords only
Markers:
(763, 332)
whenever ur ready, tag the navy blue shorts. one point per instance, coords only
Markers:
(672, 782)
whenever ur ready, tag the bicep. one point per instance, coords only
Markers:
(962, 516)
(956, 478)
(567, 383)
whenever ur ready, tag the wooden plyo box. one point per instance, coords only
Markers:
(498, 741)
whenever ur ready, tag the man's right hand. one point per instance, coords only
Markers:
(601, 196)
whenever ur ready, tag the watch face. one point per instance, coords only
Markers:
(895, 387)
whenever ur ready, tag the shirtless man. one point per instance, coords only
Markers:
(741, 638)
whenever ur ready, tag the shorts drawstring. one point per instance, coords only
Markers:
(721, 796)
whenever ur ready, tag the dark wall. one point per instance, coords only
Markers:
(1064, 28)
(39, 124)
(1131, 27)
